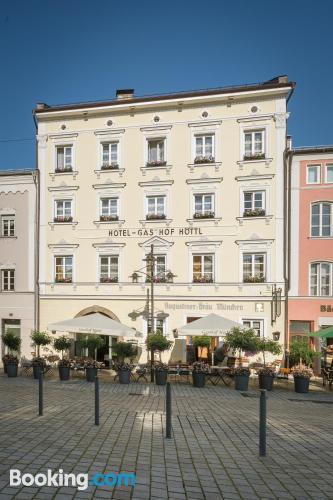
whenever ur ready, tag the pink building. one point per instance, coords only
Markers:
(310, 304)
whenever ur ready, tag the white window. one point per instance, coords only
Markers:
(329, 173)
(64, 159)
(321, 278)
(254, 203)
(110, 158)
(64, 269)
(109, 209)
(63, 211)
(203, 206)
(254, 147)
(204, 148)
(313, 174)
(257, 325)
(155, 207)
(253, 267)
(159, 326)
(159, 272)
(8, 225)
(321, 219)
(203, 268)
(8, 280)
(109, 268)
(156, 152)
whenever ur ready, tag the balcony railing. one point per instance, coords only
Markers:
(257, 212)
(254, 156)
(65, 218)
(204, 215)
(155, 216)
(258, 278)
(108, 218)
(204, 159)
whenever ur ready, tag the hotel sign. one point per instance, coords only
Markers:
(163, 231)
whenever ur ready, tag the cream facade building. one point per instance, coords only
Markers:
(199, 175)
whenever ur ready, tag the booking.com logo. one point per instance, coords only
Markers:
(80, 481)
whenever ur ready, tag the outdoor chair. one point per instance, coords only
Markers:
(327, 374)
(142, 372)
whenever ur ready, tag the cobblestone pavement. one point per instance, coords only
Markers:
(213, 453)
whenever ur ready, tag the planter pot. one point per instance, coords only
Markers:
(91, 374)
(36, 369)
(11, 369)
(231, 361)
(64, 372)
(241, 382)
(198, 379)
(301, 384)
(161, 377)
(266, 382)
(124, 376)
(5, 367)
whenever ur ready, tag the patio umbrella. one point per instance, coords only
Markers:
(326, 333)
(212, 325)
(93, 324)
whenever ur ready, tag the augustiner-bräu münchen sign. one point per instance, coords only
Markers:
(167, 231)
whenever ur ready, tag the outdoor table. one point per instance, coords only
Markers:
(217, 373)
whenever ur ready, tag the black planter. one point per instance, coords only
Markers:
(301, 384)
(64, 372)
(11, 369)
(198, 379)
(36, 369)
(124, 376)
(161, 377)
(241, 382)
(5, 367)
(91, 374)
(266, 382)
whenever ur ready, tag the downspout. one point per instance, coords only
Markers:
(37, 210)
(287, 217)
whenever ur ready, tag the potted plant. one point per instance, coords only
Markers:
(301, 353)
(91, 366)
(266, 374)
(302, 377)
(199, 370)
(39, 339)
(158, 343)
(62, 344)
(124, 350)
(201, 342)
(13, 343)
(161, 373)
(242, 340)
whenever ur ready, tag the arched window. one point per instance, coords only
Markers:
(321, 278)
(321, 219)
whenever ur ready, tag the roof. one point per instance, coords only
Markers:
(279, 82)
(26, 171)
(312, 150)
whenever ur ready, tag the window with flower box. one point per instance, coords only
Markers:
(159, 272)
(8, 226)
(64, 159)
(203, 206)
(156, 152)
(7, 280)
(321, 279)
(257, 325)
(204, 148)
(321, 219)
(203, 268)
(254, 146)
(110, 156)
(254, 203)
(64, 269)
(109, 209)
(155, 208)
(63, 211)
(109, 268)
(254, 268)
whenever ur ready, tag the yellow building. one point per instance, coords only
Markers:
(199, 175)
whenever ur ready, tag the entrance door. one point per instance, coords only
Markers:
(10, 325)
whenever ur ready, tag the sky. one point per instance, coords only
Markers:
(63, 51)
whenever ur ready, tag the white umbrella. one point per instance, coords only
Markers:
(212, 325)
(93, 324)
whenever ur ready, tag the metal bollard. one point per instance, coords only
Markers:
(40, 393)
(168, 410)
(96, 401)
(262, 423)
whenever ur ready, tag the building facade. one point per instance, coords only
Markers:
(18, 236)
(199, 175)
(310, 305)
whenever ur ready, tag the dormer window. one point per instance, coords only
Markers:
(64, 159)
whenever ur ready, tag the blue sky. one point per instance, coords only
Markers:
(63, 51)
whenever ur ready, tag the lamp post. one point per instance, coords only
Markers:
(149, 311)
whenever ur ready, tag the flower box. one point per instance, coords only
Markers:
(109, 280)
(157, 279)
(202, 279)
(204, 159)
(254, 156)
(112, 166)
(64, 169)
(68, 218)
(157, 163)
(155, 216)
(204, 215)
(254, 279)
(63, 280)
(108, 218)
(258, 212)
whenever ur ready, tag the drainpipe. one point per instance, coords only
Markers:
(288, 155)
(36, 179)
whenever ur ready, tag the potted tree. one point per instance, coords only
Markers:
(266, 374)
(199, 370)
(302, 377)
(62, 344)
(201, 342)
(92, 343)
(158, 343)
(242, 340)
(124, 350)
(301, 357)
(13, 343)
(39, 339)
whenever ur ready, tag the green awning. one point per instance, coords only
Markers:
(325, 333)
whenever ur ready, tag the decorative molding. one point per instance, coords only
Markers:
(255, 118)
(156, 128)
(266, 161)
(118, 222)
(66, 136)
(119, 171)
(156, 181)
(62, 187)
(110, 185)
(254, 177)
(157, 242)
(215, 220)
(108, 132)
(146, 170)
(42, 140)
(267, 219)
(53, 175)
(280, 119)
(194, 166)
(206, 123)
(167, 222)
(108, 243)
(205, 180)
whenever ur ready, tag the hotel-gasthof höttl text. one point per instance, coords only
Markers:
(197, 175)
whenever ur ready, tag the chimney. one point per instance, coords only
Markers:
(289, 142)
(42, 105)
(123, 94)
